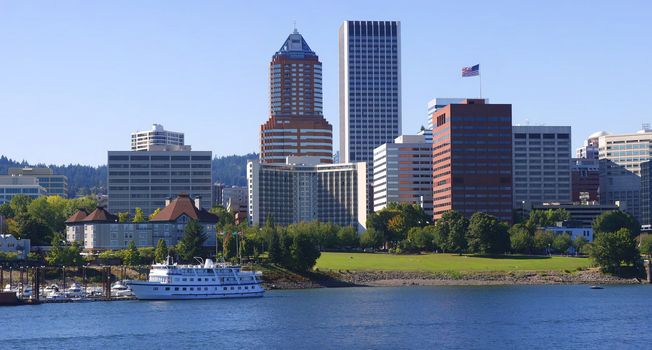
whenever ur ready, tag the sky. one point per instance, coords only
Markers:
(77, 77)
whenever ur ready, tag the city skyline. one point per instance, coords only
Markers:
(94, 73)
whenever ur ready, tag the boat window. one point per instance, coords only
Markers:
(199, 279)
(191, 288)
(239, 287)
(205, 288)
(192, 279)
(167, 288)
(184, 288)
(176, 288)
(155, 288)
(185, 279)
(246, 287)
(231, 288)
(224, 288)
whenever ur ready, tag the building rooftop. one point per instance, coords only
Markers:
(100, 215)
(77, 217)
(295, 46)
(184, 205)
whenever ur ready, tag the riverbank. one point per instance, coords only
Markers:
(322, 279)
(360, 269)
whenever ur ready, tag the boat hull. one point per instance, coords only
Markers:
(147, 291)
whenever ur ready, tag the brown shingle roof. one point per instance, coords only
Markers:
(77, 217)
(100, 215)
(184, 205)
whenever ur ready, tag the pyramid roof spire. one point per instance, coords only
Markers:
(295, 46)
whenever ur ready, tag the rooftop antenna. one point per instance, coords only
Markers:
(646, 126)
(295, 28)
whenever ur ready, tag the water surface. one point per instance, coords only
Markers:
(474, 317)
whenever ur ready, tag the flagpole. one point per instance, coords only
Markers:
(480, 76)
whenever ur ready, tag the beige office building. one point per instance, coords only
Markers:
(403, 173)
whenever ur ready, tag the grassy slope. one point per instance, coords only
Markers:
(445, 262)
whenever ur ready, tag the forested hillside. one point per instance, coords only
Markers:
(231, 170)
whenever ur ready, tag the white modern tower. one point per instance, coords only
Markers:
(370, 89)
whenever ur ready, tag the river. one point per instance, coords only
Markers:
(474, 317)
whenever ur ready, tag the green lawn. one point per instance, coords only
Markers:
(446, 262)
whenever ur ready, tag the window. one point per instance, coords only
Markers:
(167, 288)
(176, 288)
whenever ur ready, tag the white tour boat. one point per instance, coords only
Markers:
(204, 281)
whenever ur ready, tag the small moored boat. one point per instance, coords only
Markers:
(207, 280)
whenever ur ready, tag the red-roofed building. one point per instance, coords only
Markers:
(75, 226)
(101, 230)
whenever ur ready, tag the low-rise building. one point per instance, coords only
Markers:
(582, 214)
(11, 186)
(573, 229)
(55, 185)
(101, 230)
(11, 244)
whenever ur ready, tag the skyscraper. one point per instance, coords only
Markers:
(370, 89)
(296, 126)
(541, 156)
(472, 159)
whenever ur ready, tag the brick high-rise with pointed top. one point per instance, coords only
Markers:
(296, 126)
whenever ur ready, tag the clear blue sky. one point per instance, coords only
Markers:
(77, 77)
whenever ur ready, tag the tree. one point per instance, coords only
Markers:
(230, 245)
(614, 220)
(131, 256)
(275, 252)
(611, 249)
(56, 255)
(562, 242)
(224, 217)
(161, 252)
(123, 217)
(139, 216)
(192, 242)
(153, 214)
(646, 245)
(421, 238)
(580, 244)
(486, 235)
(449, 232)
(146, 255)
(371, 238)
(304, 252)
(347, 237)
(521, 239)
(6, 211)
(543, 241)
(60, 254)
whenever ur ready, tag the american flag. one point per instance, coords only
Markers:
(471, 71)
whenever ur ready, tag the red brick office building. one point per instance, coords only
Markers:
(472, 159)
(296, 126)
